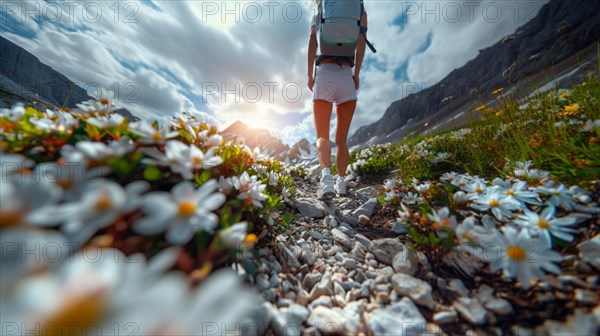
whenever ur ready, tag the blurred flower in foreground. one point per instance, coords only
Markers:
(100, 205)
(14, 114)
(182, 212)
(113, 120)
(103, 292)
(23, 202)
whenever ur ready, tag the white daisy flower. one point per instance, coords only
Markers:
(286, 194)
(259, 168)
(273, 178)
(390, 195)
(423, 188)
(225, 185)
(24, 201)
(251, 190)
(102, 290)
(580, 195)
(99, 151)
(11, 164)
(272, 215)
(448, 177)
(214, 140)
(92, 107)
(518, 255)
(520, 193)
(181, 212)
(14, 114)
(184, 159)
(389, 184)
(502, 183)
(100, 205)
(412, 198)
(460, 181)
(500, 205)
(71, 173)
(110, 121)
(545, 224)
(234, 235)
(23, 253)
(404, 213)
(442, 219)
(150, 135)
(439, 157)
(460, 198)
(590, 125)
(64, 121)
(469, 233)
(559, 195)
(474, 188)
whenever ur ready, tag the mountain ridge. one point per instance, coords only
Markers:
(559, 30)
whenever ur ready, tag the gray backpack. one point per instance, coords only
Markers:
(338, 28)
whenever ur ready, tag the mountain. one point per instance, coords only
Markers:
(23, 78)
(269, 144)
(562, 36)
(24, 75)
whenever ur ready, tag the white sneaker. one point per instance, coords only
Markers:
(326, 190)
(340, 185)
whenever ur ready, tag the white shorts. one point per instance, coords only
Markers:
(334, 83)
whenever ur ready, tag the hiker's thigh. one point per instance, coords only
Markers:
(344, 113)
(322, 114)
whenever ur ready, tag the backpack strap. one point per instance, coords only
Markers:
(363, 30)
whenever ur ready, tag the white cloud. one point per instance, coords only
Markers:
(178, 52)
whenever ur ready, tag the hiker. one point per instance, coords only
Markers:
(336, 45)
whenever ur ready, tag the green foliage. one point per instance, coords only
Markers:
(547, 129)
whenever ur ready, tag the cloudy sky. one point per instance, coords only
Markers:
(246, 60)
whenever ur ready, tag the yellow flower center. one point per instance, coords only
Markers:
(103, 203)
(250, 238)
(555, 192)
(187, 209)
(157, 136)
(478, 190)
(445, 222)
(65, 183)
(197, 160)
(510, 192)
(76, 315)
(468, 236)
(494, 203)
(542, 224)
(516, 253)
(10, 217)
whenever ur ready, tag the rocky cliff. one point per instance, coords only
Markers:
(26, 77)
(560, 30)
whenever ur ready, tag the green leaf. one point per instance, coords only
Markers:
(152, 174)
(203, 177)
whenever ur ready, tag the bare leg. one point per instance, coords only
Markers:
(322, 113)
(344, 113)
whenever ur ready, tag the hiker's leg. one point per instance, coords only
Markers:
(322, 113)
(344, 114)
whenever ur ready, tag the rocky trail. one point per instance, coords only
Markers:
(343, 268)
